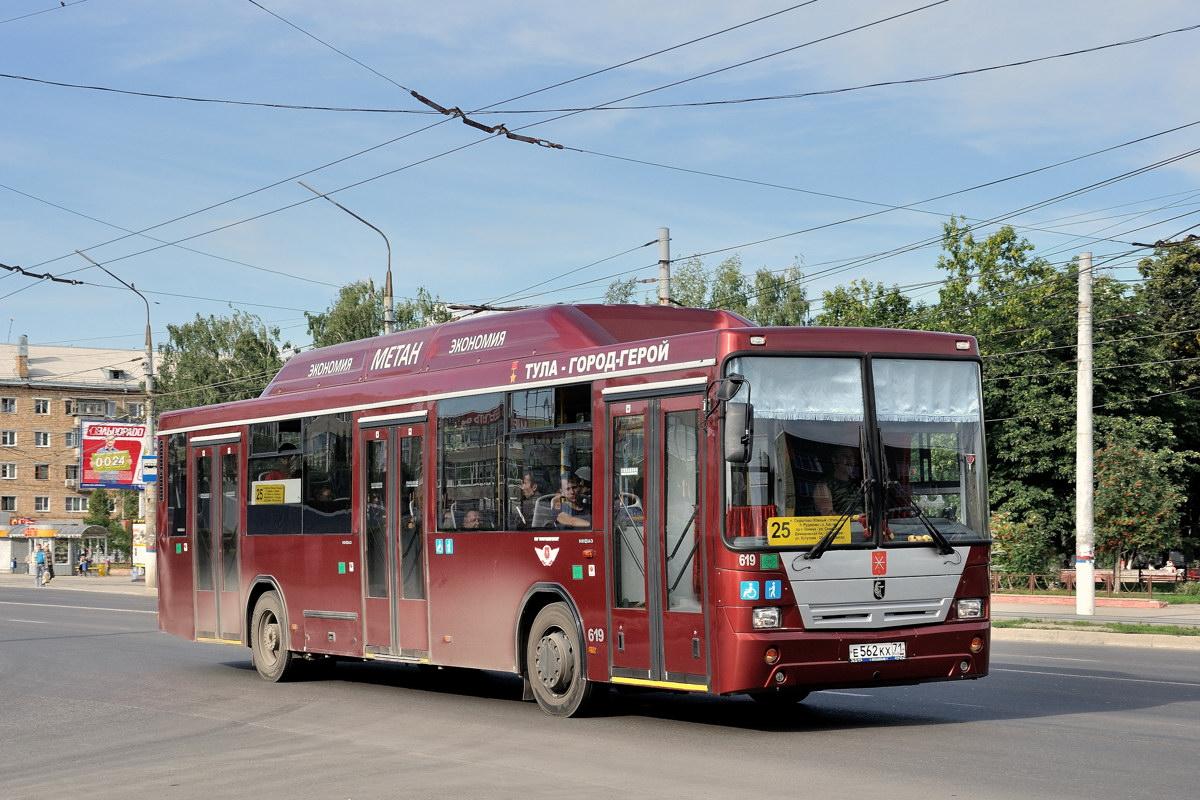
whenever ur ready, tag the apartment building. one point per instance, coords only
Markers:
(44, 393)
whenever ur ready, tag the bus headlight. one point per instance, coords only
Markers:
(970, 609)
(765, 617)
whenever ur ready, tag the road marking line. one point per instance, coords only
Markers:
(1060, 658)
(1096, 677)
(964, 705)
(77, 608)
(845, 694)
(30, 621)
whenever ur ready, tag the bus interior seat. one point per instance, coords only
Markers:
(543, 514)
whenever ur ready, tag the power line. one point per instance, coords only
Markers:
(61, 5)
(875, 85)
(1043, 414)
(1094, 369)
(504, 297)
(1103, 341)
(922, 243)
(321, 41)
(246, 264)
(391, 141)
(479, 141)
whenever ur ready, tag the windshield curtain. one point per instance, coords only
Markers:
(806, 465)
(931, 427)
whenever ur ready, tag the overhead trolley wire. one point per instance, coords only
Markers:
(62, 4)
(246, 264)
(393, 140)
(479, 141)
(1042, 414)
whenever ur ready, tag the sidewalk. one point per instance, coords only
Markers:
(115, 584)
(1188, 615)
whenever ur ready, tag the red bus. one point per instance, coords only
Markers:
(589, 495)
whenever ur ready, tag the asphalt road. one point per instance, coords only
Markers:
(97, 703)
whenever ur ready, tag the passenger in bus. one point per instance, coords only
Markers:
(836, 495)
(572, 512)
(524, 506)
(290, 465)
(473, 521)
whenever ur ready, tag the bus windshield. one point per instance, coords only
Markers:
(931, 428)
(805, 473)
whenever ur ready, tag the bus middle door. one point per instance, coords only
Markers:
(396, 621)
(217, 525)
(657, 580)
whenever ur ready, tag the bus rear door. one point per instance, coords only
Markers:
(217, 488)
(393, 545)
(657, 577)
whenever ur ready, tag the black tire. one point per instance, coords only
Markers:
(268, 640)
(554, 663)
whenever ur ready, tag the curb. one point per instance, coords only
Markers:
(1068, 600)
(1158, 641)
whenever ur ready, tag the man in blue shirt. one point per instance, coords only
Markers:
(39, 562)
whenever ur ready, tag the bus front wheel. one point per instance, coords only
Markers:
(554, 663)
(268, 640)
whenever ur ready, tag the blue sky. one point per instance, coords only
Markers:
(500, 215)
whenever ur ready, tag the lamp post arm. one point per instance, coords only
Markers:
(388, 321)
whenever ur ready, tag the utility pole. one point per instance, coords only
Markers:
(1085, 534)
(389, 313)
(664, 266)
(149, 493)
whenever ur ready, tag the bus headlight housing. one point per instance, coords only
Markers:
(768, 617)
(971, 608)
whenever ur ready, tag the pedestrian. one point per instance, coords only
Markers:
(37, 560)
(49, 565)
(83, 562)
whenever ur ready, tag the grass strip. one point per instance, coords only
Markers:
(1096, 627)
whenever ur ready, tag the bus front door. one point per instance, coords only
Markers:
(658, 634)
(216, 476)
(396, 621)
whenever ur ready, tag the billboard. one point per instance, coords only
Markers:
(111, 455)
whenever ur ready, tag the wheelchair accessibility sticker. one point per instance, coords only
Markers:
(749, 590)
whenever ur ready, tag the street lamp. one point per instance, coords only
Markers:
(150, 495)
(389, 317)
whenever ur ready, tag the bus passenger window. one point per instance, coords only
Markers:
(470, 430)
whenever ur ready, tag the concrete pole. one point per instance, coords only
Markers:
(664, 266)
(1085, 535)
(150, 490)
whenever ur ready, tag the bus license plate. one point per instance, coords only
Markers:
(877, 651)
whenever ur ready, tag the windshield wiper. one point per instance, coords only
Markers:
(939, 538)
(825, 541)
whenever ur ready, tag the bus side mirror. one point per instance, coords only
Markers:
(739, 432)
(728, 386)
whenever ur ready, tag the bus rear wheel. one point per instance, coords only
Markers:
(268, 640)
(554, 663)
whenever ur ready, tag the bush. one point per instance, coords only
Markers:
(1189, 589)
(1021, 547)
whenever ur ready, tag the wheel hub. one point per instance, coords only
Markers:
(555, 662)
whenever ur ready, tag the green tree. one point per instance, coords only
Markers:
(865, 304)
(779, 298)
(730, 289)
(1021, 547)
(217, 359)
(621, 292)
(689, 283)
(99, 512)
(420, 311)
(356, 314)
(1138, 489)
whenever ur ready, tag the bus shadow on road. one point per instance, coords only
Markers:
(816, 714)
